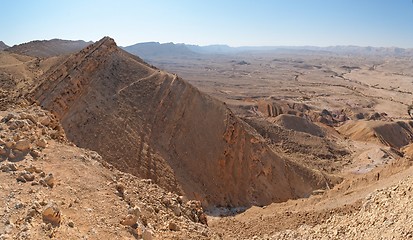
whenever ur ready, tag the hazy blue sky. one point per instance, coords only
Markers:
(232, 22)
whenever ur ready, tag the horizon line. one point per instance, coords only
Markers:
(220, 44)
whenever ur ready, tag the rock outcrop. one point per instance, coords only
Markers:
(385, 214)
(299, 124)
(66, 191)
(393, 134)
(155, 125)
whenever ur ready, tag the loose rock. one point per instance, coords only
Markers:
(51, 214)
(129, 220)
(35, 153)
(3, 151)
(173, 226)
(22, 145)
(71, 224)
(147, 234)
(41, 143)
(49, 180)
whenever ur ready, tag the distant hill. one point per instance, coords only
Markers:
(48, 48)
(155, 50)
(393, 51)
(151, 50)
(213, 49)
(3, 45)
(225, 49)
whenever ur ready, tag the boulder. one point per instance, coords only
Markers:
(51, 214)
(22, 145)
(173, 226)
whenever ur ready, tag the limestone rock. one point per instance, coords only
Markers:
(22, 145)
(33, 169)
(31, 213)
(177, 210)
(173, 226)
(20, 178)
(45, 121)
(25, 177)
(3, 151)
(147, 235)
(51, 214)
(136, 211)
(129, 220)
(28, 176)
(12, 155)
(28, 116)
(35, 153)
(41, 143)
(120, 188)
(49, 180)
(9, 143)
(8, 167)
(71, 224)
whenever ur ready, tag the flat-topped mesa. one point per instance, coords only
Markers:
(155, 125)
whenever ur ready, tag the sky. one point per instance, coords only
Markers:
(378, 23)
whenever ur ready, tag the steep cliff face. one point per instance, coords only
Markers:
(155, 125)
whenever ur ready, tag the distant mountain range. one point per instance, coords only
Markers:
(152, 50)
(156, 50)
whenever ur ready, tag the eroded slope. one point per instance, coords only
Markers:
(155, 125)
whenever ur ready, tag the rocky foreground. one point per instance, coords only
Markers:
(385, 214)
(50, 188)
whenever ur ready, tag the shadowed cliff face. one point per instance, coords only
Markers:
(155, 125)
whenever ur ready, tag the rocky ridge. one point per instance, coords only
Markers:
(181, 138)
(45, 193)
